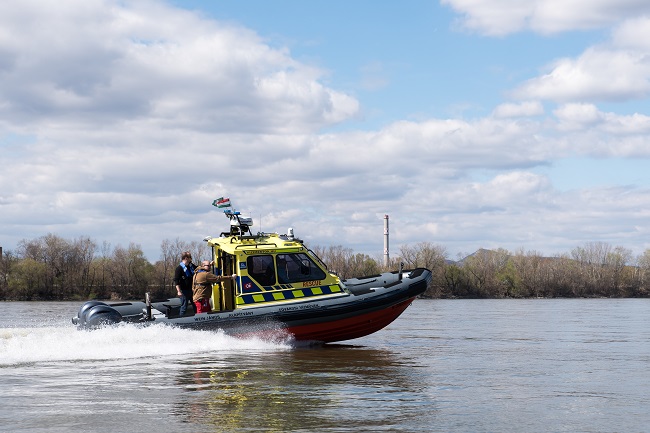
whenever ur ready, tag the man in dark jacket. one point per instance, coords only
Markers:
(183, 280)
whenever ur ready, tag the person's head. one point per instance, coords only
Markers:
(186, 256)
(205, 264)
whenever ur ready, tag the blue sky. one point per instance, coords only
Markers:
(504, 124)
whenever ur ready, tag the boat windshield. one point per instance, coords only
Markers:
(296, 268)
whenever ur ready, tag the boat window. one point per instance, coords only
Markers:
(260, 268)
(294, 268)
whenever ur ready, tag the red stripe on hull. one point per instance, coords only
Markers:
(351, 327)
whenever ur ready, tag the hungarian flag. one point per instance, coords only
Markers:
(221, 202)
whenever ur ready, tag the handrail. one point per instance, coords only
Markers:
(258, 244)
(358, 284)
(322, 263)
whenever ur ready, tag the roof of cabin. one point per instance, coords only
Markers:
(264, 243)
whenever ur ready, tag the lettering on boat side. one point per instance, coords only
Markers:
(217, 317)
(240, 313)
(311, 283)
(299, 307)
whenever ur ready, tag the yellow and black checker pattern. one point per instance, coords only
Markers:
(285, 295)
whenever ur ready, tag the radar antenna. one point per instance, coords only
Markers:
(239, 225)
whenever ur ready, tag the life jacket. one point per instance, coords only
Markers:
(189, 270)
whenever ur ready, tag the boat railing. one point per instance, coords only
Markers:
(259, 244)
(320, 261)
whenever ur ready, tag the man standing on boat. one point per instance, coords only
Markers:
(183, 280)
(202, 287)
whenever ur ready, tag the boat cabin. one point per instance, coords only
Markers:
(270, 268)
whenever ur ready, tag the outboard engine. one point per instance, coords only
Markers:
(80, 320)
(101, 315)
(94, 314)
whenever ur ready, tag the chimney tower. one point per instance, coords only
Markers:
(386, 254)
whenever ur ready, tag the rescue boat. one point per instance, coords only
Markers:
(279, 287)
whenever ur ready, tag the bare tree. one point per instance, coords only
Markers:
(361, 265)
(529, 267)
(169, 259)
(485, 270)
(643, 262)
(336, 258)
(8, 262)
(602, 268)
(130, 272)
(429, 256)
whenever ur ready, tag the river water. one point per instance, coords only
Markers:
(444, 366)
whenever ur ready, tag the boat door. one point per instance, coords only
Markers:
(223, 293)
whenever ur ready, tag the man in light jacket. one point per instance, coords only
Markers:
(202, 287)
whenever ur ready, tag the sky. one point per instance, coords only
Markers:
(515, 124)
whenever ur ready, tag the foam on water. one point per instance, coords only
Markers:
(47, 344)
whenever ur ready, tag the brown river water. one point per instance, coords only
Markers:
(561, 365)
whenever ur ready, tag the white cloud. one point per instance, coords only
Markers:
(502, 17)
(493, 18)
(588, 131)
(617, 70)
(126, 126)
(106, 62)
(587, 117)
(524, 109)
(121, 117)
(633, 34)
(578, 116)
(599, 74)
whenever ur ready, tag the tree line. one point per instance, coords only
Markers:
(596, 269)
(54, 268)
